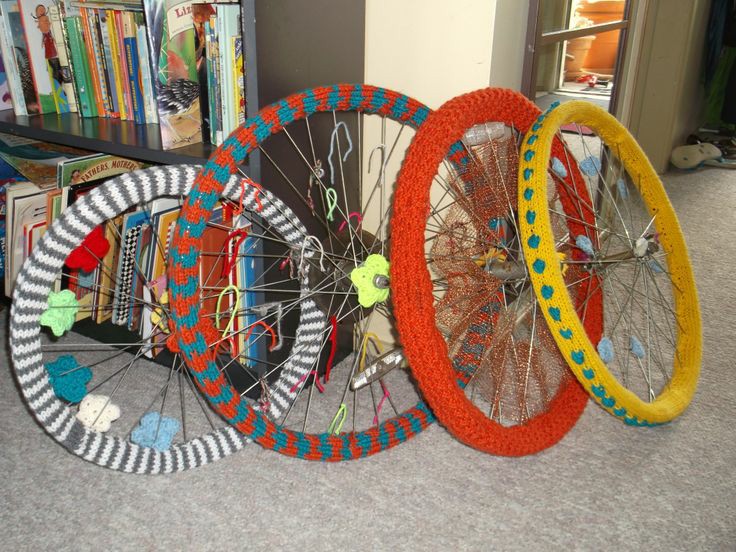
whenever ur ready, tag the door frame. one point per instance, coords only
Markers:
(536, 38)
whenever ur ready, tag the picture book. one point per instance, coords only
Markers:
(60, 42)
(35, 160)
(174, 62)
(98, 166)
(43, 56)
(14, 32)
(5, 100)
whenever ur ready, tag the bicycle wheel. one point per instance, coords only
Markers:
(645, 367)
(116, 394)
(338, 147)
(462, 294)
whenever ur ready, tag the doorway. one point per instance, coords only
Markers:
(575, 50)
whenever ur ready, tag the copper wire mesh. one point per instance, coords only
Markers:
(494, 319)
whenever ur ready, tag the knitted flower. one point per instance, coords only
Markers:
(68, 379)
(87, 256)
(155, 431)
(365, 277)
(97, 412)
(61, 313)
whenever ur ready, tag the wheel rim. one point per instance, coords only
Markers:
(651, 341)
(418, 310)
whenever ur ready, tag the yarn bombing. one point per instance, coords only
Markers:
(97, 413)
(155, 431)
(87, 256)
(68, 379)
(590, 166)
(585, 245)
(605, 350)
(62, 312)
(559, 168)
(363, 279)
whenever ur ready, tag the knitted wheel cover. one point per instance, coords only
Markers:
(187, 243)
(30, 301)
(579, 350)
(425, 347)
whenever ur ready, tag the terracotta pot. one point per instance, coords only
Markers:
(601, 57)
(577, 51)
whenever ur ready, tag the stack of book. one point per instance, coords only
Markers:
(176, 63)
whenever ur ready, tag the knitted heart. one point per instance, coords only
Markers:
(155, 431)
(87, 256)
(68, 379)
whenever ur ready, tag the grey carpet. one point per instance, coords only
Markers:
(605, 486)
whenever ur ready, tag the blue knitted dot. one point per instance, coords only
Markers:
(608, 402)
(605, 350)
(566, 333)
(590, 166)
(578, 357)
(528, 155)
(554, 312)
(599, 391)
(528, 194)
(536, 127)
(559, 168)
(528, 174)
(588, 374)
(531, 216)
(539, 266)
(532, 139)
(547, 291)
(533, 241)
(620, 412)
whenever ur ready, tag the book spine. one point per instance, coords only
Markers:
(133, 65)
(117, 16)
(59, 34)
(239, 82)
(113, 82)
(211, 82)
(11, 69)
(94, 55)
(81, 70)
(39, 71)
(225, 73)
(118, 77)
(217, 77)
(147, 85)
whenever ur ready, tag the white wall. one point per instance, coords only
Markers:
(431, 50)
(509, 37)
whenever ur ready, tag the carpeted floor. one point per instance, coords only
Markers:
(605, 486)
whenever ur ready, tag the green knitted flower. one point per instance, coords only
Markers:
(371, 280)
(62, 312)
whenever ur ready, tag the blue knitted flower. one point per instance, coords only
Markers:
(68, 379)
(155, 431)
(590, 166)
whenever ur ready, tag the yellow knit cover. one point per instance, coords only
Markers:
(580, 354)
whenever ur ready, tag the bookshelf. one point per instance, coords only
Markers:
(125, 138)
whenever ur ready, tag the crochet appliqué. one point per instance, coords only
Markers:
(87, 256)
(364, 278)
(62, 312)
(68, 379)
(155, 431)
(97, 413)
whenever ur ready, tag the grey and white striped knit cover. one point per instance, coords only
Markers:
(35, 281)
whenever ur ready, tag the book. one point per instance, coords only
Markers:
(132, 61)
(35, 160)
(173, 60)
(14, 202)
(100, 94)
(201, 15)
(108, 61)
(97, 60)
(117, 17)
(43, 57)
(6, 101)
(97, 166)
(80, 64)
(60, 42)
(150, 107)
(14, 29)
(10, 65)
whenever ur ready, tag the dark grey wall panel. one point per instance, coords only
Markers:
(308, 43)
